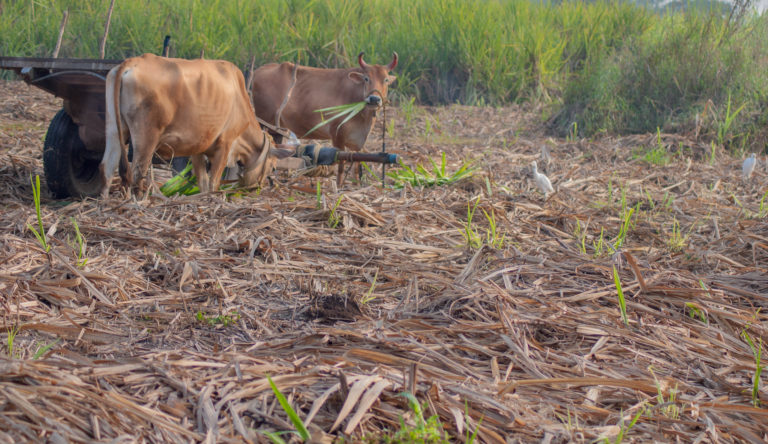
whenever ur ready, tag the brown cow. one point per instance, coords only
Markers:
(176, 107)
(316, 88)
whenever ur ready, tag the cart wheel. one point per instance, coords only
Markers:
(69, 170)
(179, 163)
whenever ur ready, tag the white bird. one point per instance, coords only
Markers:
(748, 166)
(541, 180)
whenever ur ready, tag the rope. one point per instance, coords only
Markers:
(383, 139)
(287, 95)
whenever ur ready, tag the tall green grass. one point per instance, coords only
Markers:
(450, 51)
(683, 68)
(604, 66)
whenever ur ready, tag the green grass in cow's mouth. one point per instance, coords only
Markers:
(347, 111)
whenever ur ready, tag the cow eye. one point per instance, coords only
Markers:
(366, 78)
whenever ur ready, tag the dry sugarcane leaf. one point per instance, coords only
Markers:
(318, 403)
(113, 350)
(357, 389)
(371, 395)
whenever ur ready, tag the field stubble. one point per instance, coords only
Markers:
(186, 304)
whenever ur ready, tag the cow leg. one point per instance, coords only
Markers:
(198, 164)
(340, 174)
(338, 142)
(220, 153)
(109, 164)
(144, 146)
(115, 154)
(114, 146)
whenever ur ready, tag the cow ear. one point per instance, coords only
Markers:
(390, 79)
(357, 77)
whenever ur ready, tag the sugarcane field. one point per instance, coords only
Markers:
(494, 305)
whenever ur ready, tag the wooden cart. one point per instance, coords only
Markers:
(74, 143)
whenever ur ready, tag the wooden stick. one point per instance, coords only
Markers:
(249, 80)
(106, 29)
(61, 33)
(166, 45)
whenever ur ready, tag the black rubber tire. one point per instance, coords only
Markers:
(179, 163)
(69, 171)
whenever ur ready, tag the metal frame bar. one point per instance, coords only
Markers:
(59, 64)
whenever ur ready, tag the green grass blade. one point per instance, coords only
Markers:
(353, 112)
(341, 108)
(620, 292)
(292, 415)
(442, 165)
(274, 437)
(415, 406)
(40, 235)
(42, 350)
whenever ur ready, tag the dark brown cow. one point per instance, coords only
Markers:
(316, 88)
(176, 107)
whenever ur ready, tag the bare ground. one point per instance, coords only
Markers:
(184, 306)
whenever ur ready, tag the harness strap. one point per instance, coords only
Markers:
(287, 95)
(282, 131)
(383, 140)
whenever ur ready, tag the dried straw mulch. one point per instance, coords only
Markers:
(186, 304)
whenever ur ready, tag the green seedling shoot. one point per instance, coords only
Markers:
(301, 429)
(493, 235)
(420, 176)
(12, 332)
(40, 231)
(424, 431)
(368, 296)
(757, 354)
(44, 349)
(620, 292)
(79, 244)
(334, 218)
(471, 237)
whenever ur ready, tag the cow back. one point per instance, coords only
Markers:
(190, 103)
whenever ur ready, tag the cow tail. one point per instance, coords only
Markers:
(119, 122)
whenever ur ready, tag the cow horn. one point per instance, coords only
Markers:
(361, 61)
(393, 63)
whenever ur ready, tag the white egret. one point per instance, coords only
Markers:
(748, 167)
(541, 180)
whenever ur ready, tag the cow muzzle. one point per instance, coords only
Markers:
(373, 100)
